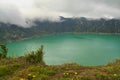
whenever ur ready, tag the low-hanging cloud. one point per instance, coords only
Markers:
(17, 11)
(11, 14)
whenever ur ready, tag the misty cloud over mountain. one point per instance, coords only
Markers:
(18, 11)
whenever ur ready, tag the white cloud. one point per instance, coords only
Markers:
(16, 11)
(10, 14)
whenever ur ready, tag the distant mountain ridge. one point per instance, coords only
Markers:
(11, 32)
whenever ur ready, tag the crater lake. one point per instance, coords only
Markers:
(84, 49)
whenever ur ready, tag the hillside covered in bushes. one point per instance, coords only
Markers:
(11, 32)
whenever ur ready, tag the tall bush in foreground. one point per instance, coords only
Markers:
(35, 56)
(3, 51)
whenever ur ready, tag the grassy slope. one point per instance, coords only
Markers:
(19, 69)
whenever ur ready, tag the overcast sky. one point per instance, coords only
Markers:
(16, 11)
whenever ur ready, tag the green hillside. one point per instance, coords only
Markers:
(11, 32)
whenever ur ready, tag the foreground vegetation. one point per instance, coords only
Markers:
(32, 67)
(19, 69)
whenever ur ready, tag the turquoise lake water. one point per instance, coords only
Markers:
(84, 49)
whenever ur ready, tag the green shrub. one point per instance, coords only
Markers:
(44, 77)
(42, 70)
(3, 51)
(4, 70)
(85, 78)
(16, 66)
(35, 56)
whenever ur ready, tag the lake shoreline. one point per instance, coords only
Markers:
(61, 33)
